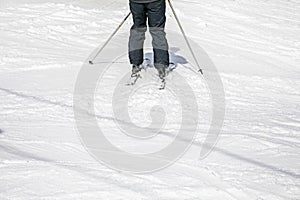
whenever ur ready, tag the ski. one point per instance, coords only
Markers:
(163, 84)
(133, 79)
(170, 68)
(135, 76)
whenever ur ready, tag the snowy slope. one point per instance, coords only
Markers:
(255, 46)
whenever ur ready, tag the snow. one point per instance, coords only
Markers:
(255, 46)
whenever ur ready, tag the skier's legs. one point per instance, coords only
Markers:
(137, 33)
(157, 21)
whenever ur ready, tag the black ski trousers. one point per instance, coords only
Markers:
(155, 13)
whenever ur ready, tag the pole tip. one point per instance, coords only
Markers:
(91, 62)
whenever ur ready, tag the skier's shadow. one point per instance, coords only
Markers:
(174, 58)
(1, 131)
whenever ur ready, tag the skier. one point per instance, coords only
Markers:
(154, 11)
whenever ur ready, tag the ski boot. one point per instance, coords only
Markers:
(135, 70)
(135, 74)
(161, 69)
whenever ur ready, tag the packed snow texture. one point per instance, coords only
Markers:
(255, 46)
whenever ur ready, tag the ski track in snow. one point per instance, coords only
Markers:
(255, 46)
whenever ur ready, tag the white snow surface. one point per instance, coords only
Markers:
(255, 45)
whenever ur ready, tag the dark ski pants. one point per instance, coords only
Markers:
(155, 13)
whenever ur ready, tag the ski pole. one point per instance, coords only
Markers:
(185, 37)
(109, 39)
